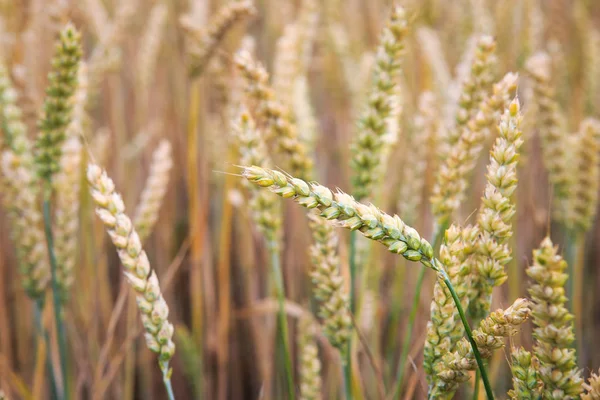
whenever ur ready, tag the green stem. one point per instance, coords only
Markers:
(570, 254)
(283, 331)
(354, 273)
(167, 379)
(348, 377)
(39, 307)
(476, 386)
(463, 318)
(412, 317)
(60, 327)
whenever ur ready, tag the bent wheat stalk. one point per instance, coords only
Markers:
(151, 304)
(343, 210)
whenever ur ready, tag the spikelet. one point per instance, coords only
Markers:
(554, 325)
(269, 111)
(459, 162)
(203, 41)
(310, 366)
(266, 209)
(583, 195)
(58, 104)
(151, 304)
(146, 212)
(490, 336)
(526, 385)
(444, 328)
(592, 388)
(369, 142)
(550, 125)
(347, 213)
(28, 235)
(329, 284)
(150, 47)
(496, 212)
(425, 127)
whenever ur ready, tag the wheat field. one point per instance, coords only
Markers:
(299, 199)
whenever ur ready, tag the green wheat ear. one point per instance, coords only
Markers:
(62, 83)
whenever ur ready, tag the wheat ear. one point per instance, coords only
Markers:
(151, 304)
(554, 325)
(444, 329)
(370, 141)
(275, 115)
(146, 212)
(58, 104)
(203, 41)
(524, 369)
(592, 388)
(449, 189)
(496, 212)
(310, 366)
(499, 325)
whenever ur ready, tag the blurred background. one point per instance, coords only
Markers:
(212, 262)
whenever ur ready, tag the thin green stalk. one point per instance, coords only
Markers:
(354, 273)
(439, 232)
(283, 331)
(39, 307)
(476, 386)
(570, 255)
(60, 326)
(167, 379)
(348, 377)
(469, 333)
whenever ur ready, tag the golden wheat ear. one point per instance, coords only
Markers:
(151, 304)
